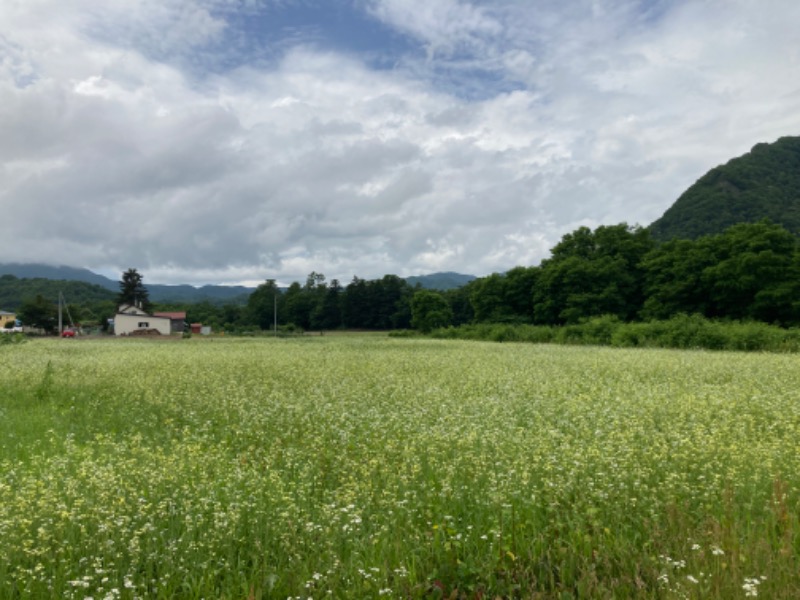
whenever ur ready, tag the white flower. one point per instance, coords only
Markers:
(750, 587)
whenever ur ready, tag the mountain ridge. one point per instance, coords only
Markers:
(186, 293)
(761, 184)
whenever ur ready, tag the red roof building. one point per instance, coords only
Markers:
(177, 320)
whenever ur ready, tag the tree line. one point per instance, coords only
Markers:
(751, 271)
(748, 272)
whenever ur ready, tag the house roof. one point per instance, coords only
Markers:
(175, 316)
(142, 316)
(127, 309)
(3, 313)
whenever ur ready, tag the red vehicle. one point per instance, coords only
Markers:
(68, 333)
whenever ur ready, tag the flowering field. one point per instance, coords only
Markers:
(368, 467)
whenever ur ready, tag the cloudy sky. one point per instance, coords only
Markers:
(226, 141)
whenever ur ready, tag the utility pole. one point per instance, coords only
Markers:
(275, 314)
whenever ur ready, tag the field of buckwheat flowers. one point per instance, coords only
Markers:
(370, 467)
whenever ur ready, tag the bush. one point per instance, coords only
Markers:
(681, 331)
(404, 333)
(12, 338)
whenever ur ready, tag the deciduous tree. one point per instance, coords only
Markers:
(39, 312)
(429, 311)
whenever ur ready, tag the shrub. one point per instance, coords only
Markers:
(12, 338)
(681, 331)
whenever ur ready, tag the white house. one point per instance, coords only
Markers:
(130, 319)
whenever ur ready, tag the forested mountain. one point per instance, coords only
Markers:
(158, 293)
(216, 294)
(61, 273)
(14, 291)
(440, 281)
(764, 183)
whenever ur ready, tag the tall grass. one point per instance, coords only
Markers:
(366, 467)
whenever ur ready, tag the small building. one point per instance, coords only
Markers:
(132, 320)
(7, 317)
(178, 320)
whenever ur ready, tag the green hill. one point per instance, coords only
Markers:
(440, 281)
(14, 291)
(216, 294)
(764, 183)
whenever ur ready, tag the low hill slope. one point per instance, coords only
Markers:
(14, 291)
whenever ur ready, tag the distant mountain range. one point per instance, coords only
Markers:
(177, 294)
(158, 293)
(440, 281)
(762, 184)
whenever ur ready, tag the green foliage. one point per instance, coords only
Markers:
(673, 278)
(504, 298)
(380, 304)
(488, 301)
(429, 311)
(440, 281)
(498, 332)
(764, 183)
(14, 291)
(263, 304)
(750, 271)
(327, 313)
(460, 304)
(182, 294)
(40, 313)
(132, 290)
(7, 339)
(681, 331)
(592, 273)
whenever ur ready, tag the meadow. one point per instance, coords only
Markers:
(374, 467)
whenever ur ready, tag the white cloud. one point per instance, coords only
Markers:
(445, 27)
(118, 149)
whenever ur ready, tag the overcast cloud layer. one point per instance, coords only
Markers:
(222, 141)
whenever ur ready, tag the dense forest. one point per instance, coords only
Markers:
(764, 183)
(14, 291)
(159, 293)
(751, 271)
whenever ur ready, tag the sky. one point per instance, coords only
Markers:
(233, 141)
